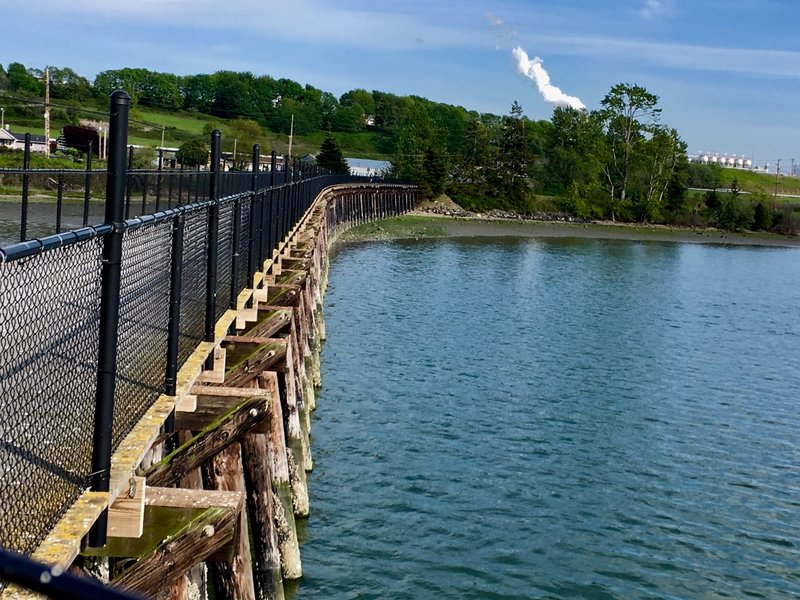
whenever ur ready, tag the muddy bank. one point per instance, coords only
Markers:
(426, 225)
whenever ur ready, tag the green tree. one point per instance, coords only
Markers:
(762, 217)
(21, 80)
(574, 150)
(330, 156)
(199, 92)
(629, 111)
(193, 152)
(415, 132)
(664, 155)
(360, 99)
(474, 166)
(434, 171)
(515, 160)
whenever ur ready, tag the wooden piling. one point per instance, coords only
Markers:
(234, 577)
(266, 551)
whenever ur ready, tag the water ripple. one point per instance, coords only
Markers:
(569, 419)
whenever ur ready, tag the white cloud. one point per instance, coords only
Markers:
(651, 9)
(311, 21)
(766, 63)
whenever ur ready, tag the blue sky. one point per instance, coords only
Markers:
(727, 71)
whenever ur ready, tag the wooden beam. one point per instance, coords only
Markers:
(210, 441)
(206, 534)
(126, 514)
(250, 359)
(217, 374)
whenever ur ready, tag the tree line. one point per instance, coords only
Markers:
(619, 162)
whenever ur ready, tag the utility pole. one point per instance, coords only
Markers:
(163, 128)
(234, 151)
(47, 112)
(777, 174)
(291, 134)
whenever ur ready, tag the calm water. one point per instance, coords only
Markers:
(559, 419)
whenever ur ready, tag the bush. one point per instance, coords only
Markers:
(732, 214)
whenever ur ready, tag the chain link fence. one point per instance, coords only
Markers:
(54, 302)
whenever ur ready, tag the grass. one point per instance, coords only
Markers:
(750, 181)
(405, 227)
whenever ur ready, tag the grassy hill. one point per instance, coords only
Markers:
(146, 127)
(750, 181)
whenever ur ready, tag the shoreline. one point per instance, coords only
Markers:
(424, 225)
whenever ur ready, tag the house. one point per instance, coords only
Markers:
(16, 141)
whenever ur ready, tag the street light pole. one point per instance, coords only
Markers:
(2, 118)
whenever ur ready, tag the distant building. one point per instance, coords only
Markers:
(364, 167)
(16, 141)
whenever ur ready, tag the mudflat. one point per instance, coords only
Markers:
(426, 225)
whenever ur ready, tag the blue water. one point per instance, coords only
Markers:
(557, 419)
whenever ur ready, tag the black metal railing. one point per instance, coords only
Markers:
(96, 318)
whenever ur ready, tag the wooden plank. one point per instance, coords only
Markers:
(186, 403)
(196, 499)
(259, 358)
(126, 514)
(210, 441)
(217, 374)
(205, 535)
(209, 410)
(226, 391)
(272, 319)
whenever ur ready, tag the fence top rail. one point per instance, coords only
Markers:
(36, 246)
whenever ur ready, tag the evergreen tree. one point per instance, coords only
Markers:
(515, 160)
(330, 156)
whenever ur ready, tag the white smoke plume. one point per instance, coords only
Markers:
(533, 70)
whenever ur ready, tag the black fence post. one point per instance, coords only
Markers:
(26, 182)
(235, 244)
(128, 183)
(174, 323)
(87, 184)
(158, 177)
(213, 242)
(109, 307)
(269, 222)
(60, 201)
(254, 233)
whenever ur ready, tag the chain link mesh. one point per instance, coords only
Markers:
(244, 245)
(224, 255)
(142, 335)
(193, 283)
(48, 371)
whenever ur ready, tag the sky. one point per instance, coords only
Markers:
(727, 72)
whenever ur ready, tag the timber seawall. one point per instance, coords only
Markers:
(206, 489)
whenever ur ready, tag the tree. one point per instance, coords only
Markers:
(475, 162)
(515, 159)
(665, 154)
(434, 171)
(574, 149)
(193, 152)
(330, 156)
(21, 80)
(629, 111)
